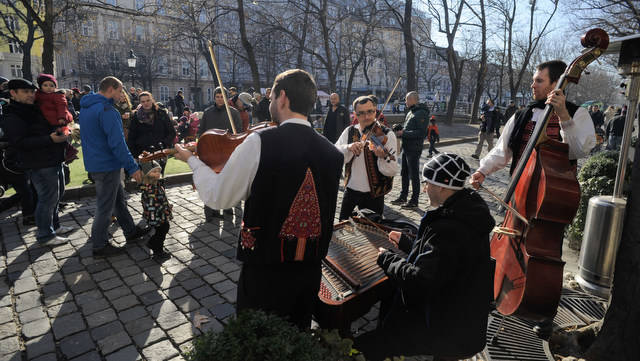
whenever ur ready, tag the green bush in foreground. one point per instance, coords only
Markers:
(257, 336)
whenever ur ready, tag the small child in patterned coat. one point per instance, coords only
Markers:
(156, 208)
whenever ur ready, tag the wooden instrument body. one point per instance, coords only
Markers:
(216, 145)
(529, 269)
(336, 311)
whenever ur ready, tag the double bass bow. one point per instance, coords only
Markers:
(543, 191)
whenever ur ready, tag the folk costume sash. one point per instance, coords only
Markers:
(379, 183)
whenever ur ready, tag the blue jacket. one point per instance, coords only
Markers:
(103, 146)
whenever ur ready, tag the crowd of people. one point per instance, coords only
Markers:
(288, 177)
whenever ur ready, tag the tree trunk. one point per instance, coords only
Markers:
(303, 38)
(251, 56)
(331, 72)
(482, 72)
(26, 50)
(47, 32)
(408, 46)
(619, 338)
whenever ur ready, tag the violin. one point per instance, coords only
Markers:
(374, 136)
(147, 156)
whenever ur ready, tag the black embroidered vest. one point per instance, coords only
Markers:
(523, 129)
(289, 214)
(379, 183)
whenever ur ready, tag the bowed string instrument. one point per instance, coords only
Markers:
(214, 147)
(374, 135)
(543, 197)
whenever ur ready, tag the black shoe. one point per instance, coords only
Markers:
(160, 256)
(400, 200)
(28, 221)
(108, 250)
(62, 205)
(475, 156)
(410, 205)
(139, 233)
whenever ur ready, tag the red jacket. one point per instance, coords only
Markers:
(54, 107)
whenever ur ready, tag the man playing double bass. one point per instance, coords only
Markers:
(569, 124)
(288, 176)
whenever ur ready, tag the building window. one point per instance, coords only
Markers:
(114, 60)
(112, 30)
(204, 71)
(16, 71)
(12, 24)
(86, 28)
(164, 94)
(185, 68)
(139, 32)
(90, 61)
(139, 5)
(209, 96)
(15, 47)
(111, 2)
(203, 16)
(163, 65)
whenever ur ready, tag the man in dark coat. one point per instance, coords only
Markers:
(444, 286)
(178, 102)
(337, 119)
(263, 107)
(40, 152)
(615, 130)
(597, 117)
(413, 134)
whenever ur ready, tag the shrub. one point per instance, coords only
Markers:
(257, 336)
(597, 177)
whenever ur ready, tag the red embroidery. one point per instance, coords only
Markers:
(553, 132)
(303, 220)
(247, 239)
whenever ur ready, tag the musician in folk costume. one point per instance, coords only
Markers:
(569, 124)
(443, 288)
(289, 177)
(368, 170)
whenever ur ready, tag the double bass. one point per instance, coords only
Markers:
(543, 195)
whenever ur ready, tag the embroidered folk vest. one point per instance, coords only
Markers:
(289, 214)
(379, 183)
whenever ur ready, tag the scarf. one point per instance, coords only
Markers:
(145, 117)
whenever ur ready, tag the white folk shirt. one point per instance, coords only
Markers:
(578, 132)
(359, 180)
(233, 184)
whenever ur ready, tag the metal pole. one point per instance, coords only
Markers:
(632, 95)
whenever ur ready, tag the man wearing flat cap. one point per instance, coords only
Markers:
(40, 153)
(444, 286)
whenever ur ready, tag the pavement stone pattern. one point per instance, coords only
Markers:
(61, 303)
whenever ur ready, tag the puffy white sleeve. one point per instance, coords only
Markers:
(343, 143)
(233, 184)
(500, 156)
(579, 133)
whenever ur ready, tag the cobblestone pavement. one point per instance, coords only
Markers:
(60, 303)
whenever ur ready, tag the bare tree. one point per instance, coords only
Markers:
(619, 18)
(405, 21)
(13, 17)
(481, 17)
(449, 22)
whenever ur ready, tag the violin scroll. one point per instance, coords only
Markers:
(598, 41)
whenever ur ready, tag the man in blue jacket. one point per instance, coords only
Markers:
(105, 153)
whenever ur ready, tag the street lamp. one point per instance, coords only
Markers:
(131, 61)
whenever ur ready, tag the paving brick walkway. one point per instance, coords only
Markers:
(61, 303)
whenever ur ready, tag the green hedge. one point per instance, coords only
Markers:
(597, 177)
(257, 336)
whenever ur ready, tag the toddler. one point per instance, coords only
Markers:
(156, 208)
(433, 135)
(53, 103)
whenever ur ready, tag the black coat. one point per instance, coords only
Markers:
(28, 133)
(143, 136)
(335, 122)
(445, 285)
(415, 128)
(262, 111)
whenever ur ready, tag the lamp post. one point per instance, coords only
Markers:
(131, 62)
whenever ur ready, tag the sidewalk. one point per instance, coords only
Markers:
(61, 303)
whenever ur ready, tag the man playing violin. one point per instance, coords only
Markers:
(288, 176)
(570, 124)
(369, 168)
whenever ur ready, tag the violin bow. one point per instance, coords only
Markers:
(224, 90)
(382, 111)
